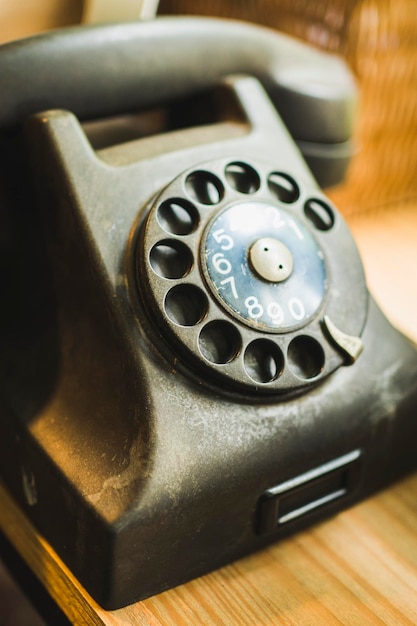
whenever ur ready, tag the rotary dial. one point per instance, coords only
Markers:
(250, 277)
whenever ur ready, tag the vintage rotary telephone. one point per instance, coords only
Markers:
(191, 364)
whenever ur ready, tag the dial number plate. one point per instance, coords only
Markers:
(264, 266)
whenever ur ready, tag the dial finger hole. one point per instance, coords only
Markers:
(283, 187)
(263, 361)
(319, 213)
(171, 259)
(204, 187)
(186, 305)
(178, 217)
(242, 177)
(220, 342)
(305, 357)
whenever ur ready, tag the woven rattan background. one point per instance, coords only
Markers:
(379, 40)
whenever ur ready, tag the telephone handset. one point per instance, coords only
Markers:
(313, 91)
(192, 366)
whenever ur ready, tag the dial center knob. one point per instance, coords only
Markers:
(271, 259)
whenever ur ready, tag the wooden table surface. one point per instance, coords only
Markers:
(359, 567)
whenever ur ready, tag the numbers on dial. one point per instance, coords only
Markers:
(257, 298)
(274, 310)
(222, 238)
(255, 310)
(276, 313)
(230, 280)
(277, 221)
(221, 264)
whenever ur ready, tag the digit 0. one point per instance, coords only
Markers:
(296, 308)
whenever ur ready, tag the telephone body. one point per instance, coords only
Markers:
(192, 366)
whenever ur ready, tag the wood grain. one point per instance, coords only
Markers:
(358, 568)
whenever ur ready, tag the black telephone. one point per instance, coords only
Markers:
(191, 364)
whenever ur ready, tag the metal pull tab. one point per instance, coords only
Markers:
(350, 345)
